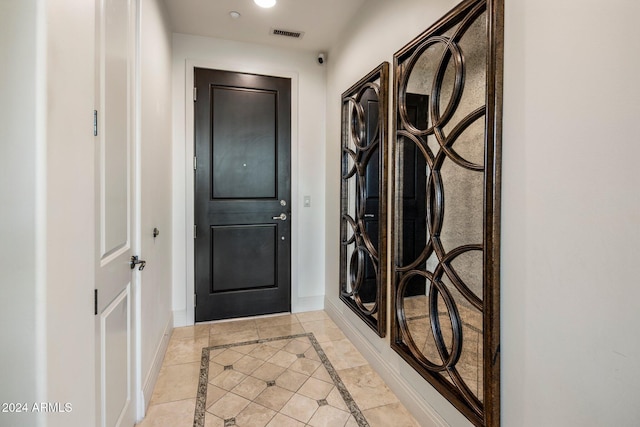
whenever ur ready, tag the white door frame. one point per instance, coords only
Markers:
(189, 178)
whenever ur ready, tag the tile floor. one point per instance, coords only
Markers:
(274, 382)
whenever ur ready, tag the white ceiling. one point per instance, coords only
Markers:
(322, 21)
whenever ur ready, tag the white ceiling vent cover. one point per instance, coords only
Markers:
(286, 33)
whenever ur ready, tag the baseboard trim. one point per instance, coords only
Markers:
(410, 398)
(152, 375)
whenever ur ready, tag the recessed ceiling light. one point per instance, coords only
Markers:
(265, 3)
(234, 14)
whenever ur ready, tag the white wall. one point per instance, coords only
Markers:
(47, 216)
(22, 230)
(155, 162)
(570, 213)
(363, 47)
(70, 210)
(308, 174)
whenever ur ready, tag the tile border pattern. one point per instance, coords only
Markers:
(198, 418)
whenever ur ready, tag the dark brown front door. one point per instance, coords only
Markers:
(242, 194)
(414, 207)
(369, 102)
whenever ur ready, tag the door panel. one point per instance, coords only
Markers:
(115, 330)
(115, 168)
(114, 192)
(232, 246)
(242, 186)
(244, 157)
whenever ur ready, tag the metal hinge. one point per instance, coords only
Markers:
(195, 300)
(95, 122)
(195, 163)
(195, 94)
(195, 231)
(95, 302)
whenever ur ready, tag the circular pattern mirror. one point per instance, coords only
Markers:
(445, 289)
(363, 198)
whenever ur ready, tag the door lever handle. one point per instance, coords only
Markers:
(135, 261)
(281, 217)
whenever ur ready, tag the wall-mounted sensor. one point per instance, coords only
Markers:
(321, 58)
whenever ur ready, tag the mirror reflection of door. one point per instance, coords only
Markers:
(363, 198)
(369, 102)
(242, 194)
(414, 188)
(445, 295)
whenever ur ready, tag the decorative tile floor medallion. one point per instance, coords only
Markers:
(263, 381)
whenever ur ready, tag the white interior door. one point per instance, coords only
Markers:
(116, 233)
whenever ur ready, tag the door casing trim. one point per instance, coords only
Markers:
(190, 64)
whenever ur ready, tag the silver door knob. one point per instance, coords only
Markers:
(281, 217)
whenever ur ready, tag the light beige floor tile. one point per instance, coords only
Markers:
(184, 350)
(245, 349)
(171, 414)
(280, 331)
(263, 352)
(315, 389)
(215, 370)
(342, 354)
(257, 389)
(250, 388)
(229, 406)
(300, 407)
(227, 357)
(232, 337)
(328, 416)
(211, 421)
(291, 380)
(390, 415)
(213, 395)
(254, 415)
(298, 347)
(228, 379)
(284, 421)
(366, 387)
(191, 332)
(287, 319)
(274, 397)
(335, 399)
(351, 422)
(312, 315)
(176, 382)
(283, 358)
(268, 372)
(312, 354)
(323, 330)
(322, 374)
(277, 344)
(318, 326)
(305, 366)
(247, 364)
(233, 327)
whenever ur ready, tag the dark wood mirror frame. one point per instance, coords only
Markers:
(363, 203)
(444, 295)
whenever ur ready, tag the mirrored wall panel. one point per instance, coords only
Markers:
(364, 198)
(445, 284)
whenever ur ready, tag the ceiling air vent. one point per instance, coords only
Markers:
(287, 33)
